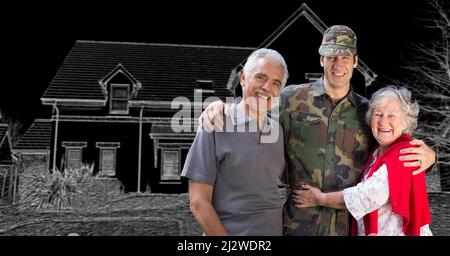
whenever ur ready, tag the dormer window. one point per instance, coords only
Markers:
(118, 100)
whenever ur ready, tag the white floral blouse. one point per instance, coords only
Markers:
(373, 193)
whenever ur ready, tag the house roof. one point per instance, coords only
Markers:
(5, 147)
(37, 137)
(164, 71)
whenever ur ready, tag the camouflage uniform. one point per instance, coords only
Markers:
(326, 145)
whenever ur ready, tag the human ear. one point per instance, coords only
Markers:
(242, 78)
(356, 61)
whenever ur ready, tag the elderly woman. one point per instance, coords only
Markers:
(389, 200)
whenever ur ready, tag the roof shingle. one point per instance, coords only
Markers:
(38, 136)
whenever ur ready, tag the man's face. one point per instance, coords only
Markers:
(262, 83)
(338, 70)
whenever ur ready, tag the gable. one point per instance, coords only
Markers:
(120, 74)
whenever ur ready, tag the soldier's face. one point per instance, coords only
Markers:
(387, 122)
(262, 86)
(338, 70)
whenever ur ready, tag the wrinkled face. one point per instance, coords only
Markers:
(387, 122)
(262, 84)
(338, 70)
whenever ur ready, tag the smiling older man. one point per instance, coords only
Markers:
(233, 175)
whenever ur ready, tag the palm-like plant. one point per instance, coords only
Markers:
(54, 189)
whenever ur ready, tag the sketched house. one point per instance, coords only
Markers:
(112, 106)
(113, 103)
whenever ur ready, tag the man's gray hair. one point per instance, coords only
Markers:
(409, 108)
(270, 54)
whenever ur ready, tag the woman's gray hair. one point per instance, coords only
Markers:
(270, 54)
(409, 108)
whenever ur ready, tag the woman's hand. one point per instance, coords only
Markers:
(308, 196)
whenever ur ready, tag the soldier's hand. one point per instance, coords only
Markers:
(211, 118)
(422, 156)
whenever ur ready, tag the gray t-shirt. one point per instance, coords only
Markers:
(244, 173)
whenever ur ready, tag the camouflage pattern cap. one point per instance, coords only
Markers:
(338, 40)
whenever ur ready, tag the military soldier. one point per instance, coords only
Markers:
(326, 139)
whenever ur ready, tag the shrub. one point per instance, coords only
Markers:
(54, 189)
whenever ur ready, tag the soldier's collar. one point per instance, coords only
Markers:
(351, 96)
(319, 90)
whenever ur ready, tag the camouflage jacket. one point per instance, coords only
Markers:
(326, 146)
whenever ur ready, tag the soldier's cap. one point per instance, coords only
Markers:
(338, 40)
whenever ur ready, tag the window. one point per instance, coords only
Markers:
(108, 161)
(108, 157)
(74, 153)
(73, 158)
(170, 165)
(119, 99)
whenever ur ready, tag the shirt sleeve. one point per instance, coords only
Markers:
(201, 163)
(368, 195)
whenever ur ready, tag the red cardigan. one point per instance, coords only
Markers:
(408, 193)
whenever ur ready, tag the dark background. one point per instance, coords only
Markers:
(36, 37)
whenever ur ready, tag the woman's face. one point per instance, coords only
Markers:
(387, 122)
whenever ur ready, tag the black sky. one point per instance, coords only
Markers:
(36, 38)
